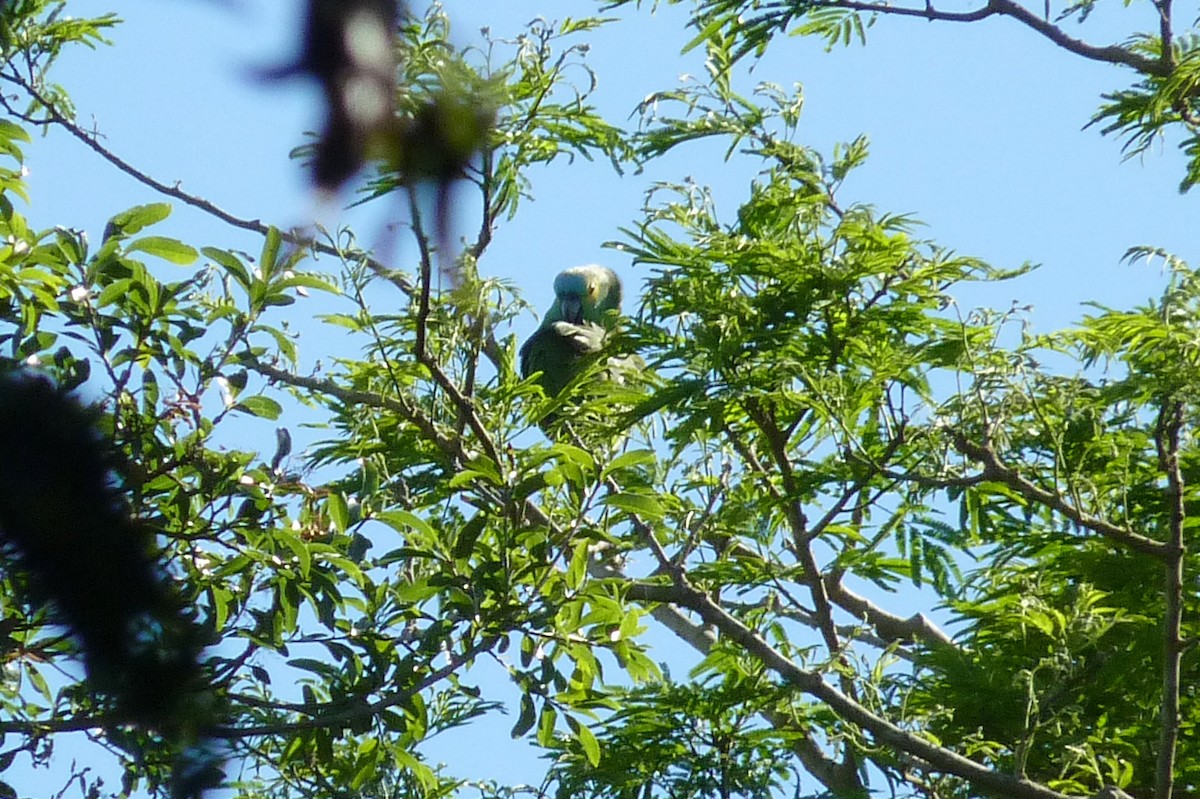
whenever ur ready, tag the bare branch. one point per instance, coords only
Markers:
(855, 632)
(888, 625)
(1167, 57)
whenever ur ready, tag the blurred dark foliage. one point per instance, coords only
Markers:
(65, 526)
(352, 49)
(349, 48)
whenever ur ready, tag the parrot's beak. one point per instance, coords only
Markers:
(572, 309)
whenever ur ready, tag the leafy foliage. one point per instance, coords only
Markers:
(820, 432)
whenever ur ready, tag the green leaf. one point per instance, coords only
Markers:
(546, 724)
(135, 219)
(38, 681)
(11, 130)
(263, 407)
(231, 263)
(628, 460)
(269, 258)
(347, 321)
(591, 747)
(318, 667)
(576, 455)
(401, 521)
(643, 506)
(468, 535)
(339, 511)
(526, 719)
(112, 292)
(308, 281)
(168, 249)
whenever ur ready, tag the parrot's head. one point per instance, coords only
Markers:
(585, 294)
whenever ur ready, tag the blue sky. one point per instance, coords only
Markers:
(975, 129)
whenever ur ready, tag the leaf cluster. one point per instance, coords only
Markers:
(824, 455)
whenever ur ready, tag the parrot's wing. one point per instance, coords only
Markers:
(558, 350)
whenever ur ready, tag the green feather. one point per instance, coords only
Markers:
(559, 351)
(587, 301)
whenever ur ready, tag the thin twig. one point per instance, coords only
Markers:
(1110, 54)
(464, 406)
(451, 447)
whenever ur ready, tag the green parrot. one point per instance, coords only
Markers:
(587, 301)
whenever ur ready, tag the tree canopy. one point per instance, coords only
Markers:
(819, 425)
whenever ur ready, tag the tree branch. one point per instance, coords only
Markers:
(1167, 57)
(91, 140)
(885, 732)
(464, 405)
(452, 447)
(828, 771)
(339, 717)
(325, 715)
(993, 469)
(889, 626)
(1109, 54)
(1166, 437)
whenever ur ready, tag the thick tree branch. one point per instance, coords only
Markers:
(1166, 436)
(883, 731)
(1165, 32)
(828, 771)
(854, 632)
(889, 626)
